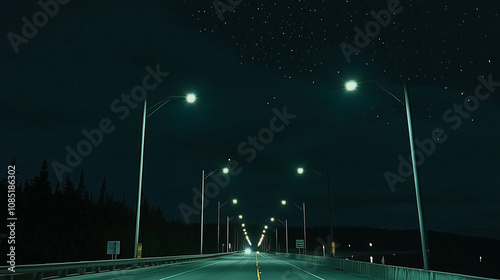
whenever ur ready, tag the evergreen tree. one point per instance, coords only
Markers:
(102, 193)
(82, 189)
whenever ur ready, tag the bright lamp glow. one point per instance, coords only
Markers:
(283, 202)
(240, 217)
(351, 85)
(248, 251)
(272, 219)
(191, 98)
(300, 170)
(225, 170)
(235, 201)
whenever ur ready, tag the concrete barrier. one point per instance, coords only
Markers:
(386, 272)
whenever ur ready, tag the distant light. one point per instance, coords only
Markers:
(300, 170)
(191, 98)
(283, 202)
(272, 219)
(248, 251)
(264, 231)
(371, 245)
(265, 227)
(243, 225)
(235, 201)
(240, 217)
(351, 85)
(225, 170)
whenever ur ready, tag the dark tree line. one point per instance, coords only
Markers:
(66, 222)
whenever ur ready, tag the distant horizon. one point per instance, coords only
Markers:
(131, 201)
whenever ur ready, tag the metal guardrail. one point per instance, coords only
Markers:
(381, 271)
(55, 270)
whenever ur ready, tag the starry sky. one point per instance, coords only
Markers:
(272, 71)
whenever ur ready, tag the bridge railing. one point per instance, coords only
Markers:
(381, 271)
(54, 270)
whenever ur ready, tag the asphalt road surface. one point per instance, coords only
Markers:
(253, 266)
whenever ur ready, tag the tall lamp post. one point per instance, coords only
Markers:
(300, 171)
(203, 177)
(352, 85)
(219, 206)
(276, 232)
(227, 230)
(286, 233)
(190, 98)
(235, 236)
(303, 209)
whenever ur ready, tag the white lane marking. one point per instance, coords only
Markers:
(175, 275)
(296, 267)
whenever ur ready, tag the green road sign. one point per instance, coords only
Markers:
(299, 243)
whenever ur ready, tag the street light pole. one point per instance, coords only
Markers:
(227, 234)
(329, 188)
(276, 245)
(286, 233)
(202, 207)
(286, 229)
(218, 226)
(304, 213)
(139, 196)
(190, 98)
(415, 178)
(351, 85)
(329, 208)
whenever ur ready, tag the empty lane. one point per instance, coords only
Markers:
(234, 267)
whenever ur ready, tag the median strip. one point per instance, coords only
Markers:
(257, 265)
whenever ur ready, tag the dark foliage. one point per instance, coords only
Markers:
(64, 223)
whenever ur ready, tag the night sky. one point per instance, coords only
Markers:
(269, 79)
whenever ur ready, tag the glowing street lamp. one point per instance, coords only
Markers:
(303, 209)
(203, 177)
(191, 98)
(156, 107)
(350, 86)
(219, 206)
(329, 190)
(227, 229)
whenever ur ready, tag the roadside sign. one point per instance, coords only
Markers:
(299, 243)
(113, 249)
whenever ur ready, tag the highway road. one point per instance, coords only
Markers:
(242, 266)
